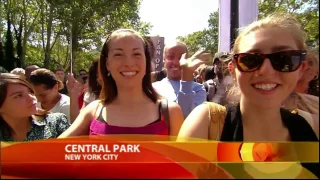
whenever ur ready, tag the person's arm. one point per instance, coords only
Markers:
(74, 106)
(196, 125)
(81, 125)
(176, 118)
(75, 88)
(84, 105)
(188, 98)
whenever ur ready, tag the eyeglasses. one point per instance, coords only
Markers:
(283, 61)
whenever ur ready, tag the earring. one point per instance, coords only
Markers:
(108, 74)
(316, 77)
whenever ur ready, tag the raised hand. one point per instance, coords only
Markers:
(74, 87)
(189, 65)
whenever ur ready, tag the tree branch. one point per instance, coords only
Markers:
(55, 40)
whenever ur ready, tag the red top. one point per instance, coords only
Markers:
(80, 98)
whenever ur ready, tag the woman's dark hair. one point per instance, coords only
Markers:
(45, 77)
(209, 73)
(150, 45)
(94, 86)
(109, 89)
(5, 80)
(8, 78)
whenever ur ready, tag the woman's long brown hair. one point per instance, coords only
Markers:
(5, 80)
(109, 89)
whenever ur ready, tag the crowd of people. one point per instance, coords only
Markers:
(265, 89)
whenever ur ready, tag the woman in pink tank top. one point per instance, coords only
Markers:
(128, 103)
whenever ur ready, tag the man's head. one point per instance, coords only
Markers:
(29, 70)
(219, 60)
(82, 73)
(59, 72)
(171, 57)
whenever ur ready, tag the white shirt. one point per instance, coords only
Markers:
(89, 97)
(62, 106)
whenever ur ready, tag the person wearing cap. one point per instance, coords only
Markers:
(179, 85)
(217, 87)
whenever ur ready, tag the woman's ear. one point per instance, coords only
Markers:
(108, 66)
(303, 67)
(230, 67)
(57, 86)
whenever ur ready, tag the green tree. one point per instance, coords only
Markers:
(207, 38)
(42, 29)
(306, 11)
(9, 63)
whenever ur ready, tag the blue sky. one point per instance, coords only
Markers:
(173, 18)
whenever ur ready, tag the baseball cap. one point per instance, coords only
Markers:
(222, 56)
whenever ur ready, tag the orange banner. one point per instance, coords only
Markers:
(140, 157)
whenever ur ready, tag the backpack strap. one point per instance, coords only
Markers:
(164, 110)
(217, 115)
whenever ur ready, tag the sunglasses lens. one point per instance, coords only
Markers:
(286, 61)
(249, 62)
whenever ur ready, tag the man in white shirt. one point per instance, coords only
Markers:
(179, 86)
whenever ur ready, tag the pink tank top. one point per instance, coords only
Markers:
(100, 127)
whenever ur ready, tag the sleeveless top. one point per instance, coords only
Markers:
(299, 130)
(100, 127)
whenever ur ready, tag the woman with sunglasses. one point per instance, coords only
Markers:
(268, 60)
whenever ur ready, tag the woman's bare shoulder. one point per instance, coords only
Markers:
(93, 107)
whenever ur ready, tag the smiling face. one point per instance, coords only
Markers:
(21, 98)
(267, 87)
(172, 56)
(126, 60)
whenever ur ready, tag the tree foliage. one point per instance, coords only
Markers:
(207, 38)
(45, 32)
(306, 11)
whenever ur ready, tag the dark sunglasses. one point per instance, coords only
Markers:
(283, 61)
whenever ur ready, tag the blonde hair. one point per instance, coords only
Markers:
(173, 44)
(313, 55)
(282, 21)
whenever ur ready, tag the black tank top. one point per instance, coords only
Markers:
(299, 130)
